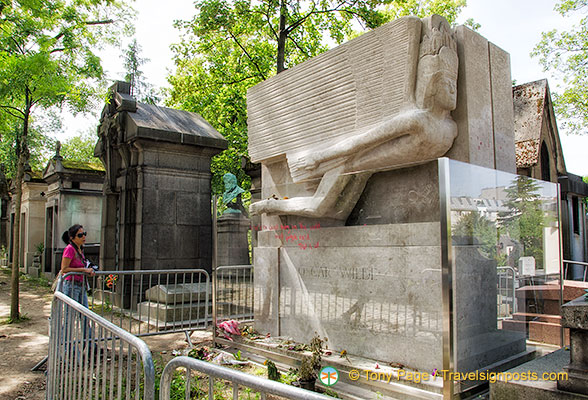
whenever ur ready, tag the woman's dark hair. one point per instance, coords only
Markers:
(70, 233)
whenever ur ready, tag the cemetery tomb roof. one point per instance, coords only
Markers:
(36, 175)
(529, 103)
(534, 123)
(83, 165)
(178, 126)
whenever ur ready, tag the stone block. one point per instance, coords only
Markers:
(336, 94)
(473, 114)
(233, 245)
(149, 240)
(502, 110)
(399, 196)
(188, 241)
(164, 314)
(266, 278)
(185, 206)
(575, 314)
(178, 293)
(166, 237)
(530, 389)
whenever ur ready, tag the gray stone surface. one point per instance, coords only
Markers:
(354, 85)
(163, 314)
(474, 143)
(373, 290)
(502, 110)
(575, 314)
(540, 389)
(233, 246)
(267, 286)
(575, 317)
(399, 196)
(180, 293)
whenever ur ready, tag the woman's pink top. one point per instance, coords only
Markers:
(76, 261)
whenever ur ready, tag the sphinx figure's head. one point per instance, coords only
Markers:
(436, 86)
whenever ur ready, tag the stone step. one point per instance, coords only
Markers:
(522, 316)
(395, 389)
(343, 389)
(533, 305)
(514, 325)
(550, 290)
(546, 332)
(538, 331)
(479, 351)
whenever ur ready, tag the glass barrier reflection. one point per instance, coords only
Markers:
(505, 246)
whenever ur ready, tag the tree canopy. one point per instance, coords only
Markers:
(80, 147)
(140, 88)
(526, 218)
(565, 54)
(47, 60)
(230, 46)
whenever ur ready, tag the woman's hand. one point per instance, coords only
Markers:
(90, 271)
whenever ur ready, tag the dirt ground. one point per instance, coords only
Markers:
(24, 344)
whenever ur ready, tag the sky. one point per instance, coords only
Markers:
(513, 25)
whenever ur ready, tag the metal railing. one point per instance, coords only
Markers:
(151, 302)
(506, 292)
(237, 379)
(232, 295)
(583, 265)
(234, 292)
(91, 358)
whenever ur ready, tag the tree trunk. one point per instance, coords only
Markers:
(282, 36)
(23, 158)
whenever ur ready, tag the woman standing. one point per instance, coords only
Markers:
(73, 260)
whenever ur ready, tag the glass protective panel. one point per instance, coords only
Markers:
(506, 264)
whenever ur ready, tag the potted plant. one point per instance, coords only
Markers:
(40, 248)
(307, 373)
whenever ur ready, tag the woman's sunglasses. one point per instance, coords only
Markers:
(81, 235)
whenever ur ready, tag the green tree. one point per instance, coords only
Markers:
(80, 147)
(47, 60)
(565, 54)
(477, 229)
(449, 9)
(230, 46)
(132, 61)
(525, 219)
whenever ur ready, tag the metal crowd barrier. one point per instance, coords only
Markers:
(234, 292)
(232, 295)
(91, 358)
(151, 302)
(584, 265)
(506, 292)
(237, 378)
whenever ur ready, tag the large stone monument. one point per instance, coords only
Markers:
(157, 196)
(349, 244)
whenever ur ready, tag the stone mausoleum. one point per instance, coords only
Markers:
(156, 211)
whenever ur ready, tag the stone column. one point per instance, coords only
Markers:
(575, 317)
(233, 246)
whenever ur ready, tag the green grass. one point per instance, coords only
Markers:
(39, 282)
(21, 318)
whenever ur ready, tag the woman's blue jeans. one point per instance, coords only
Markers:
(77, 291)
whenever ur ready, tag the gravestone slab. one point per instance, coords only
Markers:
(527, 266)
(180, 293)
